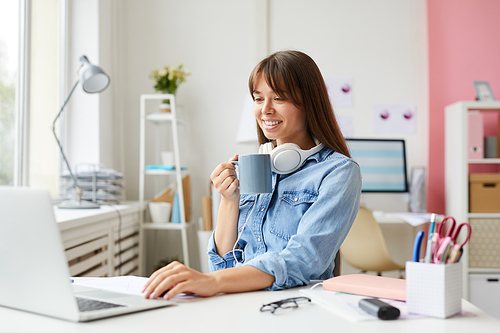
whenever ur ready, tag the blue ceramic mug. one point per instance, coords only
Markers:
(254, 173)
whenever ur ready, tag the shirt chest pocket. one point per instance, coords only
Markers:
(292, 205)
(246, 205)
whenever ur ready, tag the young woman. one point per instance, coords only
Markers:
(288, 237)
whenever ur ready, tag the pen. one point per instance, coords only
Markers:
(428, 252)
(416, 245)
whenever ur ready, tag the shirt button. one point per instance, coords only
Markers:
(296, 199)
(262, 210)
(258, 239)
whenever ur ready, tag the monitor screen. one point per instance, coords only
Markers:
(382, 162)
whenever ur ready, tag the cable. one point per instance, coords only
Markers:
(119, 235)
(242, 229)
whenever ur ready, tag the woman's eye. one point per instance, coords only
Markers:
(257, 99)
(279, 99)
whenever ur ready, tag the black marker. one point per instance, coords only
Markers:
(379, 309)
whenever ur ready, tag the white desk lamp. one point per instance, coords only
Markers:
(94, 80)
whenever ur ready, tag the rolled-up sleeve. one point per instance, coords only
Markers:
(321, 231)
(217, 262)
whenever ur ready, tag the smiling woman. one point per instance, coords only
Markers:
(290, 236)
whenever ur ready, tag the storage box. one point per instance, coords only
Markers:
(434, 289)
(484, 192)
(484, 243)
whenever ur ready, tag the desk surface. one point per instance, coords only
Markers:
(240, 313)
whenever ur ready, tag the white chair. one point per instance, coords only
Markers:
(365, 247)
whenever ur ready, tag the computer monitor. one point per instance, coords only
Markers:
(382, 162)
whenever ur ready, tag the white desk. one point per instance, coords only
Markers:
(240, 313)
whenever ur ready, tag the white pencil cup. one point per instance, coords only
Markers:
(434, 289)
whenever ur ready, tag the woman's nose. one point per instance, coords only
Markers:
(267, 108)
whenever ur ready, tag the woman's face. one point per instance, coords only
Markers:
(279, 118)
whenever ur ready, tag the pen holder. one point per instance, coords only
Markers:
(434, 289)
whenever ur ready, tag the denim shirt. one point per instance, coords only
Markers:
(295, 232)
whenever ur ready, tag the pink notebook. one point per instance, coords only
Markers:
(368, 285)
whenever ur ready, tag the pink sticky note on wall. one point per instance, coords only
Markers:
(476, 135)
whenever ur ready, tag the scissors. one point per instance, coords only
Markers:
(450, 249)
(443, 231)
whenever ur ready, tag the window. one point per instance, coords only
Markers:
(30, 47)
(9, 64)
(44, 58)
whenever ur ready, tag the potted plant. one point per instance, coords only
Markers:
(167, 80)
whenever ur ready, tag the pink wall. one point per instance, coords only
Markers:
(464, 46)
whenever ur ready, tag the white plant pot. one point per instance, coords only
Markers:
(164, 107)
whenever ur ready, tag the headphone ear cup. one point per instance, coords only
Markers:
(286, 158)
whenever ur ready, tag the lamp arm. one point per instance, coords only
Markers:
(75, 184)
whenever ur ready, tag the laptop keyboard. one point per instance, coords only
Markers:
(92, 305)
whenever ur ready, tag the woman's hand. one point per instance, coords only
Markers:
(224, 179)
(177, 278)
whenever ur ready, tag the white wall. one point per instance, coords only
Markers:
(82, 131)
(380, 44)
(214, 40)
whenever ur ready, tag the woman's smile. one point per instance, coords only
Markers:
(271, 124)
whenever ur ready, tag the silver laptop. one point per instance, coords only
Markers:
(34, 273)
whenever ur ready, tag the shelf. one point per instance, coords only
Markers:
(162, 117)
(484, 215)
(165, 226)
(457, 167)
(478, 105)
(171, 120)
(484, 270)
(164, 172)
(484, 161)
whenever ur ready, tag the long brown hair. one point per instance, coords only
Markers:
(294, 75)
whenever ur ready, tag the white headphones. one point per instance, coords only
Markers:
(288, 157)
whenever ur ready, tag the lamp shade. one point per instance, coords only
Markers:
(93, 79)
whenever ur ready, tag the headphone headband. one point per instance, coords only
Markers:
(288, 157)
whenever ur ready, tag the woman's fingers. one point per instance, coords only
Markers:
(177, 278)
(222, 167)
(193, 282)
(158, 277)
(224, 179)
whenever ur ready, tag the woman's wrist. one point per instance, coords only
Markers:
(240, 279)
(230, 202)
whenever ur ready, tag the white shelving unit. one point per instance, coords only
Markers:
(171, 119)
(457, 174)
